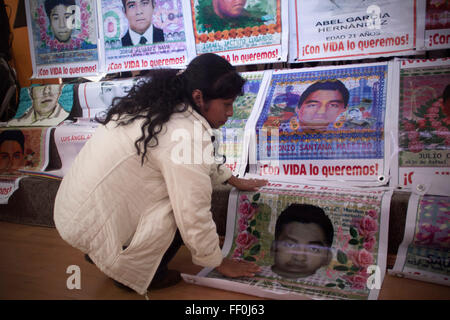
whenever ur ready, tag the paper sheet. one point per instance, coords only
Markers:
(344, 270)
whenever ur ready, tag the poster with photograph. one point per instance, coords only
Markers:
(424, 253)
(437, 24)
(423, 153)
(144, 34)
(63, 38)
(43, 105)
(351, 29)
(97, 97)
(325, 123)
(23, 150)
(243, 32)
(234, 134)
(316, 242)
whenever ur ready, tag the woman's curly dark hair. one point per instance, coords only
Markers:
(162, 93)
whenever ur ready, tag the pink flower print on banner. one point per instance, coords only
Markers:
(367, 227)
(244, 208)
(242, 224)
(357, 281)
(361, 258)
(369, 243)
(372, 213)
(247, 246)
(245, 240)
(238, 253)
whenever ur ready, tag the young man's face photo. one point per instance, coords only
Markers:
(11, 156)
(300, 250)
(45, 98)
(321, 108)
(139, 14)
(61, 22)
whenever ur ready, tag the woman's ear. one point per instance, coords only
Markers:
(197, 97)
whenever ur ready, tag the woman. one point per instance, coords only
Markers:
(143, 181)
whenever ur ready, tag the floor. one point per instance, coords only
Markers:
(34, 261)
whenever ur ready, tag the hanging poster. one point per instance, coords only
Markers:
(324, 123)
(144, 34)
(234, 134)
(43, 105)
(423, 125)
(63, 38)
(424, 253)
(317, 242)
(97, 97)
(351, 29)
(437, 24)
(243, 32)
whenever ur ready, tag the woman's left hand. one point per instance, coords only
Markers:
(247, 184)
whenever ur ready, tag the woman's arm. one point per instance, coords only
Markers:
(247, 184)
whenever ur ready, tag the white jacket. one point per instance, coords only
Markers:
(108, 199)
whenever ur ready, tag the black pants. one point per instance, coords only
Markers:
(168, 256)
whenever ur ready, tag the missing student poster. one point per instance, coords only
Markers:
(349, 29)
(311, 242)
(63, 38)
(245, 32)
(43, 105)
(423, 125)
(23, 150)
(324, 123)
(144, 34)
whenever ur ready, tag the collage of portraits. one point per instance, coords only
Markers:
(343, 105)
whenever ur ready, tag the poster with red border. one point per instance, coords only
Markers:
(343, 29)
(251, 32)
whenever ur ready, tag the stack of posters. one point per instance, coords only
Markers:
(421, 166)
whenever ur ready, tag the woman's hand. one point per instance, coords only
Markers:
(237, 268)
(247, 184)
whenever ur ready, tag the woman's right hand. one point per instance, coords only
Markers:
(237, 268)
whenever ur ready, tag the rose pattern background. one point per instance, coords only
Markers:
(357, 252)
(247, 241)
